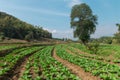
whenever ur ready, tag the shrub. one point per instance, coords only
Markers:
(94, 47)
(2, 38)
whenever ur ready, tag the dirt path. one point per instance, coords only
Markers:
(18, 68)
(75, 69)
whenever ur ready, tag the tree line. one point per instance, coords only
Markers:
(13, 27)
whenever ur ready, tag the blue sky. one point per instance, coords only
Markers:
(54, 15)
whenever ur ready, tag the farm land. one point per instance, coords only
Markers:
(71, 61)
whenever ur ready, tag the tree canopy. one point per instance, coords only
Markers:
(14, 28)
(118, 25)
(83, 22)
(117, 35)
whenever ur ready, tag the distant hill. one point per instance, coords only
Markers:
(13, 27)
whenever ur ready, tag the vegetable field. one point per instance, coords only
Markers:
(59, 62)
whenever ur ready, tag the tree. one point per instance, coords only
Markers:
(83, 22)
(12, 27)
(105, 39)
(118, 25)
(2, 36)
(117, 35)
(29, 36)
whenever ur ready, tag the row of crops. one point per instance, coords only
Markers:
(90, 56)
(40, 64)
(45, 67)
(108, 52)
(7, 47)
(104, 70)
(9, 61)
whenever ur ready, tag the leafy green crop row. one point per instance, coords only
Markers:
(4, 61)
(97, 68)
(7, 47)
(49, 67)
(10, 60)
(104, 50)
(96, 57)
(89, 56)
(81, 47)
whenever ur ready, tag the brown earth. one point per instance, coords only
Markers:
(19, 70)
(33, 73)
(75, 69)
(42, 40)
(13, 40)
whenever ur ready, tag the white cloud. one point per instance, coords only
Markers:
(54, 31)
(64, 34)
(61, 33)
(73, 2)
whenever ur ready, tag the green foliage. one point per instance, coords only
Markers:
(109, 41)
(118, 25)
(87, 55)
(117, 35)
(11, 59)
(104, 70)
(83, 22)
(8, 47)
(14, 28)
(105, 39)
(104, 50)
(94, 47)
(1, 36)
(46, 67)
(29, 36)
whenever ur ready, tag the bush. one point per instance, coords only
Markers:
(109, 41)
(27, 38)
(2, 38)
(94, 47)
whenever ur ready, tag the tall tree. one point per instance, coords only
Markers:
(83, 22)
(117, 35)
(118, 25)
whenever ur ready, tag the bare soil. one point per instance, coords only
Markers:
(14, 40)
(19, 70)
(75, 69)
